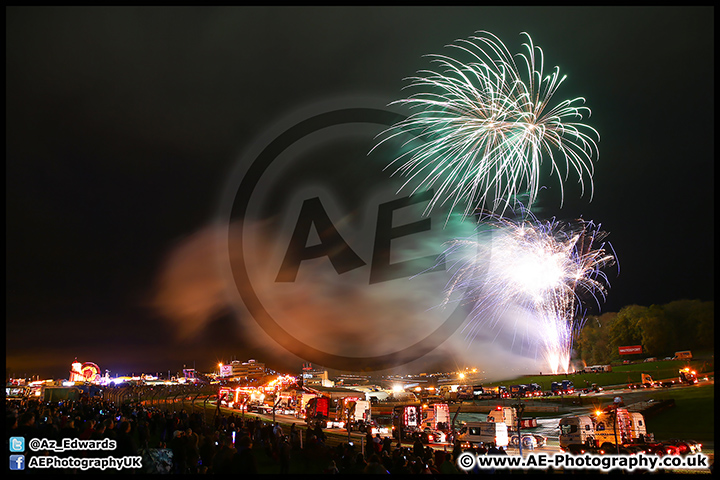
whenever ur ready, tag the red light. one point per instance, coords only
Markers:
(498, 408)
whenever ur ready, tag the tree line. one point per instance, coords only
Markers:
(660, 329)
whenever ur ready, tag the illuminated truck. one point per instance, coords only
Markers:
(354, 414)
(518, 391)
(508, 416)
(317, 411)
(606, 429)
(481, 393)
(688, 376)
(534, 390)
(565, 387)
(407, 420)
(504, 415)
(437, 417)
(465, 392)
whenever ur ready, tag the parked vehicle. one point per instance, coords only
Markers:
(506, 415)
(529, 440)
(517, 391)
(533, 390)
(685, 447)
(597, 369)
(474, 433)
(355, 414)
(684, 355)
(576, 430)
(428, 435)
(565, 387)
(481, 393)
(594, 388)
(317, 411)
(465, 392)
(436, 417)
(605, 428)
(688, 376)
(407, 420)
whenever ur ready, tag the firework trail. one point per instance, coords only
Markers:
(485, 126)
(543, 270)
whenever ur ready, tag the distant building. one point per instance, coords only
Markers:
(316, 376)
(245, 370)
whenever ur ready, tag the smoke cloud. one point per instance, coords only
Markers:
(341, 314)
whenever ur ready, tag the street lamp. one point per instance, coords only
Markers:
(519, 409)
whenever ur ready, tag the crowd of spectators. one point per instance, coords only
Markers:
(184, 442)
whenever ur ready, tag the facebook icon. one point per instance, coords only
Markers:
(17, 462)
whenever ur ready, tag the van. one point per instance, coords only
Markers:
(473, 433)
(684, 355)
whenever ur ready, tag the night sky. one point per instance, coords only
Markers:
(124, 125)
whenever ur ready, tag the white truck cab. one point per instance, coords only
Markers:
(504, 415)
(577, 430)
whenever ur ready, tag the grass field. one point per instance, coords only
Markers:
(693, 416)
(621, 374)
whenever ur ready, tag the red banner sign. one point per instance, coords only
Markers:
(631, 349)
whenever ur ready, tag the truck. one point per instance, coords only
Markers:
(436, 417)
(605, 429)
(506, 415)
(480, 392)
(407, 420)
(593, 388)
(354, 413)
(688, 376)
(465, 392)
(518, 391)
(474, 433)
(684, 355)
(578, 431)
(646, 381)
(302, 397)
(317, 411)
(533, 390)
(565, 387)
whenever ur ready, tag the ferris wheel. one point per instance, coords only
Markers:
(85, 372)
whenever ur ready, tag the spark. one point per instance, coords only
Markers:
(541, 270)
(485, 126)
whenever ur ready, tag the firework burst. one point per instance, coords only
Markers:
(544, 271)
(486, 124)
